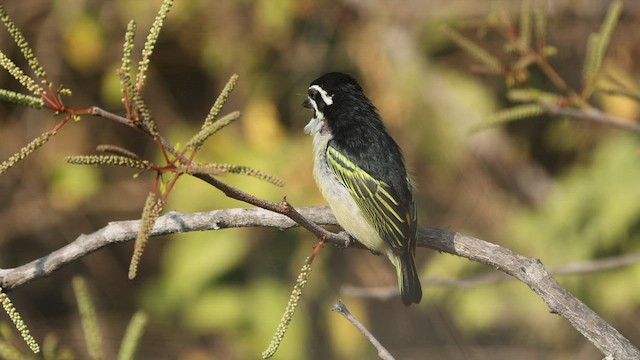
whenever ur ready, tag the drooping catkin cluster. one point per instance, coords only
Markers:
(132, 97)
(24, 47)
(150, 213)
(513, 113)
(540, 22)
(117, 150)
(28, 82)
(249, 171)
(294, 299)
(533, 95)
(132, 336)
(525, 24)
(18, 322)
(144, 114)
(149, 45)
(19, 75)
(127, 52)
(88, 318)
(220, 101)
(597, 46)
(108, 160)
(91, 330)
(207, 131)
(26, 151)
(21, 99)
(491, 63)
(222, 168)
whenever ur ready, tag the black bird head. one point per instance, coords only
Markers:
(337, 98)
(323, 89)
(343, 112)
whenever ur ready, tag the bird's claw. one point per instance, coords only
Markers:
(374, 252)
(348, 242)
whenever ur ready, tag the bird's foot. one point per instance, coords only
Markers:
(348, 242)
(374, 252)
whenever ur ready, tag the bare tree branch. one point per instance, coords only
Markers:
(170, 223)
(341, 308)
(580, 267)
(530, 271)
(592, 114)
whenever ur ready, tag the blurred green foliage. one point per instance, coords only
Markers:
(592, 213)
(559, 190)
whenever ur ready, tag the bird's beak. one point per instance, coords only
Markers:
(307, 103)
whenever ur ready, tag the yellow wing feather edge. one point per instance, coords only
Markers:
(375, 200)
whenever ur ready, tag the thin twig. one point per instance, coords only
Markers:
(341, 308)
(96, 111)
(592, 114)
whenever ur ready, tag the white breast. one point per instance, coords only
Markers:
(344, 207)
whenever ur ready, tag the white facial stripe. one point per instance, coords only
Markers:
(315, 125)
(328, 99)
(316, 112)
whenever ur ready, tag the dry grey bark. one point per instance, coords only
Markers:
(530, 271)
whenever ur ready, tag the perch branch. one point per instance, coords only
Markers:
(530, 271)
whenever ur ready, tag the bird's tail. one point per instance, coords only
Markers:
(408, 280)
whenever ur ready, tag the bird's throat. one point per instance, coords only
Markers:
(317, 126)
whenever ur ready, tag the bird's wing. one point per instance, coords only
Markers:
(394, 221)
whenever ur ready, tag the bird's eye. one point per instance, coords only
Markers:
(320, 96)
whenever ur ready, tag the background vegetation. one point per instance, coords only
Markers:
(561, 190)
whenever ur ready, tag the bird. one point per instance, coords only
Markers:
(361, 173)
